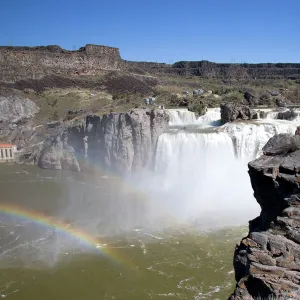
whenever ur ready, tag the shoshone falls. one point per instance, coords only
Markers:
(164, 233)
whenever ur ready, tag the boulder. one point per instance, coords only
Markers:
(282, 102)
(281, 144)
(274, 93)
(287, 115)
(234, 111)
(251, 98)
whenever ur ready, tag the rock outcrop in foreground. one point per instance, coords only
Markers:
(267, 261)
(121, 142)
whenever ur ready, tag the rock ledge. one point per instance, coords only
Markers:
(267, 261)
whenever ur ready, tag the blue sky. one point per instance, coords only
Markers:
(160, 30)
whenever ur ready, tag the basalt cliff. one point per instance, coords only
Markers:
(20, 63)
(267, 261)
(119, 142)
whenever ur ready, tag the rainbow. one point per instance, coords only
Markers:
(75, 233)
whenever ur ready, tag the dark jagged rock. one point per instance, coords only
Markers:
(267, 261)
(287, 115)
(281, 144)
(122, 142)
(251, 98)
(234, 111)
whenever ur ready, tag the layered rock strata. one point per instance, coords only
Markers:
(267, 261)
(122, 142)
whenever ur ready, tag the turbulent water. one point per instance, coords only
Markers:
(169, 233)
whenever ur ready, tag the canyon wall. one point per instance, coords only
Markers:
(17, 63)
(267, 261)
(120, 142)
(224, 71)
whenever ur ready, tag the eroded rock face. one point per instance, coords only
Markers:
(233, 111)
(267, 261)
(15, 109)
(121, 142)
(58, 155)
(18, 63)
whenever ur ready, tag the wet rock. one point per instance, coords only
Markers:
(234, 111)
(262, 114)
(287, 115)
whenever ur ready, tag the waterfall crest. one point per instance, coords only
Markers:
(184, 117)
(179, 117)
(201, 170)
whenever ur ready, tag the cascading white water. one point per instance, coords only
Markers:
(249, 138)
(212, 117)
(201, 179)
(203, 175)
(180, 117)
(184, 117)
(269, 112)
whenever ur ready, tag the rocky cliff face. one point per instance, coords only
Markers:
(17, 63)
(121, 142)
(15, 109)
(207, 69)
(267, 261)
(16, 113)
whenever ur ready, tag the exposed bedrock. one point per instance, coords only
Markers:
(121, 142)
(236, 111)
(267, 261)
(17, 63)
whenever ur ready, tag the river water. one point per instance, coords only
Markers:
(163, 234)
(135, 261)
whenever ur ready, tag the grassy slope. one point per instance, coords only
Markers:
(119, 91)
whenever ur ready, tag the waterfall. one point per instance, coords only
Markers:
(181, 116)
(249, 138)
(184, 117)
(202, 174)
(201, 179)
(212, 117)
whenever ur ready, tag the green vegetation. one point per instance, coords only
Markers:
(120, 91)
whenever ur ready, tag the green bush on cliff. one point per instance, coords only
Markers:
(233, 97)
(197, 107)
